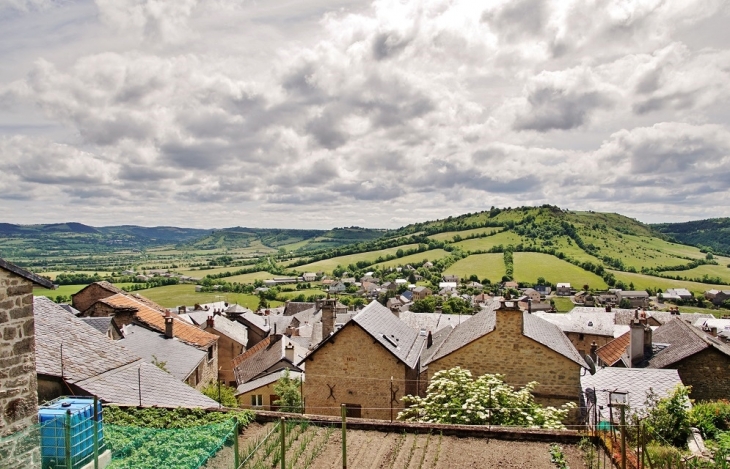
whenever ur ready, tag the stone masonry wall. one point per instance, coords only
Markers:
(89, 295)
(228, 349)
(708, 372)
(359, 369)
(18, 396)
(584, 345)
(520, 359)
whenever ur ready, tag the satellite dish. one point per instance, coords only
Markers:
(591, 364)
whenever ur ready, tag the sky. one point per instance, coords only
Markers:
(327, 113)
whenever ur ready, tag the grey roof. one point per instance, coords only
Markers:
(294, 307)
(431, 321)
(232, 329)
(70, 309)
(101, 366)
(684, 341)
(483, 323)
(392, 333)
(198, 317)
(633, 294)
(438, 339)
(86, 352)
(550, 336)
(268, 379)
(636, 381)
(261, 322)
(180, 358)
(665, 316)
(583, 323)
(233, 309)
(122, 386)
(37, 279)
(100, 324)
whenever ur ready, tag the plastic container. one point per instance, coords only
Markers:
(53, 417)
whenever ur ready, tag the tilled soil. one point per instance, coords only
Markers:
(318, 447)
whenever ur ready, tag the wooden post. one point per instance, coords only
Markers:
(236, 456)
(343, 409)
(391, 399)
(623, 437)
(67, 434)
(96, 433)
(283, 443)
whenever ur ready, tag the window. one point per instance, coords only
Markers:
(353, 410)
(210, 352)
(257, 400)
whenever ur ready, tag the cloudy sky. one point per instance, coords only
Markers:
(322, 113)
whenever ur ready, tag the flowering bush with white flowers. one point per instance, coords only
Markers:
(454, 396)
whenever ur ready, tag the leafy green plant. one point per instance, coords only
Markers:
(557, 457)
(290, 399)
(711, 418)
(222, 393)
(667, 420)
(455, 397)
(180, 417)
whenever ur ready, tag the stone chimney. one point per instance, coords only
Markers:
(713, 331)
(181, 310)
(608, 308)
(509, 318)
(289, 351)
(429, 340)
(328, 316)
(210, 322)
(529, 306)
(640, 342)
(168, 326)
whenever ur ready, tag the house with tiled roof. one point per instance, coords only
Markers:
(369, 364)
(90, 294)
(584, 328)
(614, 352)
(74, 357)
(126, 309)
(270, 356)
(521, 346)
(232, 340)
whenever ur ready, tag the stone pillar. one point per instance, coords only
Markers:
(18, 382)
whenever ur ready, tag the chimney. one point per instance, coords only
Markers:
(529, 306)
(181, 310)
(429, 340)
(210, 321)
(267, 312)
(289, 351)
(328, 316)
(594, 347)
(168, 326)
(608, 308)
(713, 331)
(637, 334)
(648, 352)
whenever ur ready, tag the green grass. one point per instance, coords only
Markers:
(449, 235)
(505, 238)
(307, 292)
(67, 290)
(328, 265)
(175, 295)
(531, 265)
(721, 271)
(642, 282)
(416, 260)
(53, 274)
(693, 309)
(198, 273)
(563, 304)
(489, 266)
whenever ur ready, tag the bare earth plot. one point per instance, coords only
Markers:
(379, 450)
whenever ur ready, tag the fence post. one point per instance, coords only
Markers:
(283, 443)
(96, 433)
(623, 437)
(343, 410)
(67, 428)
(236, 456)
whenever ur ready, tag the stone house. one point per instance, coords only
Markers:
(450, 278)
(260, 394)
(369, 365)
(232, 340)
(717, 297)
(126, 309)
(18, 382)
(513, 343)
(562, 289)
(75, 358)
(584, 329)
(309, 276)
(87, 296)
(637, 299)
(420, 293)
(532, 294)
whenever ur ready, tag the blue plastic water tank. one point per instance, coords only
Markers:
(52, 419)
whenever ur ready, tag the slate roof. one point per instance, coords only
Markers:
(684, 341)
(180, 358)
(636, 381)
(612, 352)
(155, 320)
(100, 324)
(582, 323)
(70, 309)
(30, 276)
(268, 379)
(260, 322)
(392, 333)
(483, 323)
(294, 307)
(232, 329)
(431, 321)
(102, 367)
(260, 358)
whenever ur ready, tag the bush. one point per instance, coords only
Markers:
(667, 420)
(227, 394)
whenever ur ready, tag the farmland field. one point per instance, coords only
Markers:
(250, 278)
(531, 265)
(642, 282)
(449, 235)
(175, 295)
(489, 266)
(712, 271)
(328, 265)
(321, 447)
(505, 238)
(416, 260)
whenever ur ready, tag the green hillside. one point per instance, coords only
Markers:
(711, 234)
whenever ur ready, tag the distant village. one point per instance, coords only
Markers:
(126, 349)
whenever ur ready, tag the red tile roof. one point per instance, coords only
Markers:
(610, 353)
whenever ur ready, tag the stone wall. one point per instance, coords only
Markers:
(520, 359)
(18, 397)
(266, 392)
(357, 370)
(708, 372)
(228, 349)
(583, 345)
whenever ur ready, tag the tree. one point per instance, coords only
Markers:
(668, 419)
(263, 304)
(227, 394)
(412, 277)
(426, 305)
(290, 399)
(624, 303)
(455, 397)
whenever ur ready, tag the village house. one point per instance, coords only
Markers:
(260, 394)
(337, 287)
(309, 277)
(369, 365)
(420, 293)
(75, 358)
(717, 297)
(516, 344)
(532, 294)
(232, 340)
(583, 329)
(636, 299)
(18, 382)
(563, 289)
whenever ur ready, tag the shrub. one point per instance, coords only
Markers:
(667, 420)
(711, 418)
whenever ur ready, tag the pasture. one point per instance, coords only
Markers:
(489, 266)
(528, 266)
(328, 265)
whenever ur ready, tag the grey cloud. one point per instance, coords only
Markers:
(517, 19)
(389, 44)
(553, 108)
